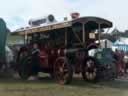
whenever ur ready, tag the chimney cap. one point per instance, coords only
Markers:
(75, 15)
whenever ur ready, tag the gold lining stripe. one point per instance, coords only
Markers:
(46, 28)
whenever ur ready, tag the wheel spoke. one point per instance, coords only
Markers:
(89, 70)
(65, 76)
(62, 71)
(65, 70)
(59, 75)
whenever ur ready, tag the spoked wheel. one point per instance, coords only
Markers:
(63, 71)
(89, 70)
(24, 68)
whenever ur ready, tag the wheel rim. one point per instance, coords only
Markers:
(62, 71)
(24, 69)
(25, 73)
(89, 70)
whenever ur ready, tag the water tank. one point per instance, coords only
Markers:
(44, 20)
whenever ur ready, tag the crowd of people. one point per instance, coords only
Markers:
(121, 62)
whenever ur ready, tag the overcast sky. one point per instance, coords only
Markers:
(16, 13)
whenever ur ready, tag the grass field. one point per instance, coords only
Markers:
(48, 87)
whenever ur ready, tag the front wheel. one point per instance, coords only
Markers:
(89, 69)
(24, 66)
(63, 71)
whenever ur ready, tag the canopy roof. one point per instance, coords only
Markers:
(89, 21)
(122, 41)
(95, 21)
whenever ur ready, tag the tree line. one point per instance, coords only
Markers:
(114, 35)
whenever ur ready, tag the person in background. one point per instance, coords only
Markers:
(122, 61)
(117, 58)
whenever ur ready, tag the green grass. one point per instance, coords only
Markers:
(48, 87)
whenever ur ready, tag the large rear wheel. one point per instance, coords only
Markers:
(63, 71)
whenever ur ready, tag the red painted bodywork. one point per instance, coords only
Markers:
(49, 56)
